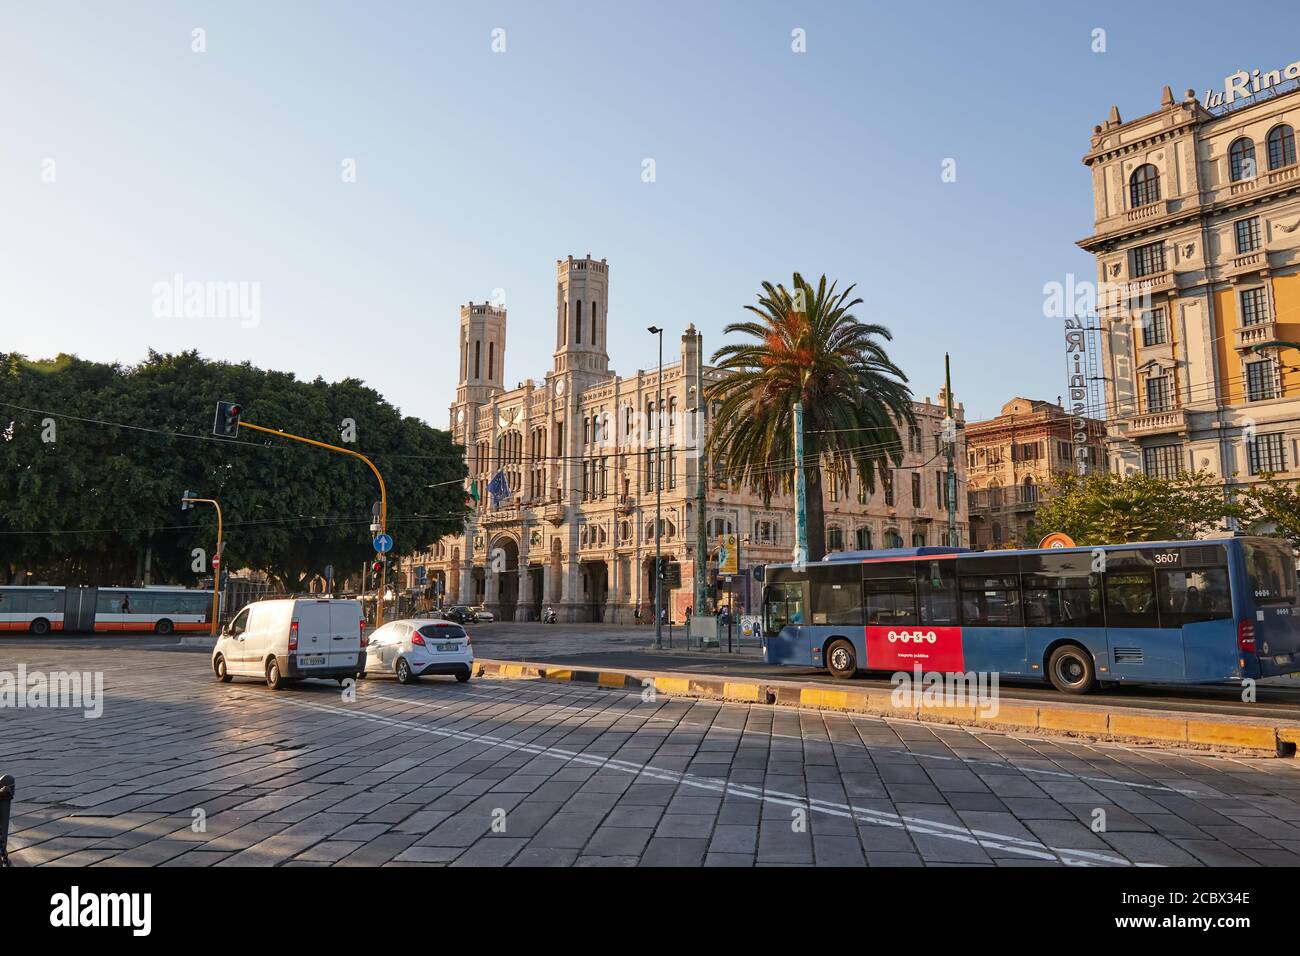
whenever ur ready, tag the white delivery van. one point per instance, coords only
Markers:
(292, 639)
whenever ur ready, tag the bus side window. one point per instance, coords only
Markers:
(1188, 596)
(990, 601)
(782, 606)
(1131, 600)
(936, 592)
(890, 602)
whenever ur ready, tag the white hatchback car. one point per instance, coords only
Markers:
(415, 647)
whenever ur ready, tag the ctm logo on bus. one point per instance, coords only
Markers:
(912, 637)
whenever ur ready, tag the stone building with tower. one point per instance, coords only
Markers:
(1196, 236)
(1011, 460)
(581, 449)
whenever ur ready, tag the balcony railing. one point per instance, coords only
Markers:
(1155, 423)
(1249, 336)
(1011, 498)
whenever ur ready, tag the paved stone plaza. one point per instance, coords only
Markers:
(183, 771)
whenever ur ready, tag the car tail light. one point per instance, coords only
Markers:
(361, 629)
(293, 636)
(468, 639)
(416, 638)
(1246, 637)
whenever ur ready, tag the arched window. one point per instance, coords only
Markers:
(595, 334)
(1030, 491)
(578, 320)
(1281, 147)
(478, 347)
(1241, 159)
(492, 351)
(834, 538)
(1143, 186)
(918, 540)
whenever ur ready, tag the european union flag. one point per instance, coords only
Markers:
(498, 488)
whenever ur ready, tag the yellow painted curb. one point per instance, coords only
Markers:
(673, 685)
(610, 679)
(561, 674)
(1010, 715)
(1253, 736)
(960, 711)
(1076, 721)
(815, 697)
(751, 693)
(1156, 728)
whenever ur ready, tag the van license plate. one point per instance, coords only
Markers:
(448, 647)
(313, 660)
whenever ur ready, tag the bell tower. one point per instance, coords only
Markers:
(581, 316)
(482, 356)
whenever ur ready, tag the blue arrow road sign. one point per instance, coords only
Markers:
(383, 543)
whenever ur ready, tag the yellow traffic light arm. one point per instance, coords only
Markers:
(383, 494)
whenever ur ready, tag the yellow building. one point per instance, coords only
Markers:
(1197, 242)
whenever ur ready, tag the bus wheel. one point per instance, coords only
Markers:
(1070, 669)
(841, 660)
(163, 627)
(40, 627)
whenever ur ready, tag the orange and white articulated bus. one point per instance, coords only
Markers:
(39, 610)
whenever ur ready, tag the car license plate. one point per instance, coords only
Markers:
(312, 660)
(448, 647)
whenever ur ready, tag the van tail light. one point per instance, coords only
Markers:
(293, 636)
(1246, 637)
(361, 629)
(416, 638)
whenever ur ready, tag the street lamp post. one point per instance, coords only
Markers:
(188, 500)
(659, 492)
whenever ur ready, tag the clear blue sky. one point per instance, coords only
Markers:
(475, 171)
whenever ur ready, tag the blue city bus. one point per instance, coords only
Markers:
(1170, 612)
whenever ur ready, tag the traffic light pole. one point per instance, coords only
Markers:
(950, 439)
(216, 571)
(383, 501)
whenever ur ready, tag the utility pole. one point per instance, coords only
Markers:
(701, 478)
(659, 490)
(950, 441)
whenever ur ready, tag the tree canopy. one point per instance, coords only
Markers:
(805, 345)
(94, 459)
(1104, 508)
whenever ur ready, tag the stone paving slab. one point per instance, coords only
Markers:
(183, 771)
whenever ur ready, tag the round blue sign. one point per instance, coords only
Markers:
(383, 543)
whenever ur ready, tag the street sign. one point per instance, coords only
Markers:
(728, 555)
(216, 561)
(383, 543)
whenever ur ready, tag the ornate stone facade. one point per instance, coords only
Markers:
(578, 449)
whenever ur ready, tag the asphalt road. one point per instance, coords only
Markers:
(597, 646)
(181, 770)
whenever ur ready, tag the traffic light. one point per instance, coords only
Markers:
(377, 567)
(185, 504)
(226, 424)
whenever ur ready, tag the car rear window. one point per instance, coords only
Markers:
(1270, 566)
(442, 632)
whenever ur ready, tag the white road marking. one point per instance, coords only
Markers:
(918, 825)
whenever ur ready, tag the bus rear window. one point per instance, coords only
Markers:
(1270, 570)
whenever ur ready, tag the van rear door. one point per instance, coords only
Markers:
(313, 621)
(345, 634)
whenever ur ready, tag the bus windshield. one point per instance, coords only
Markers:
(1270, 567)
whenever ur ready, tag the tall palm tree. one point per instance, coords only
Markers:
(808, 346)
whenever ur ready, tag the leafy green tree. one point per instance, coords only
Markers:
(1273, 506)
(806, 345)
(87, 505)
(1104, 508)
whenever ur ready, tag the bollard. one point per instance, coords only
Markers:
(7, 787)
